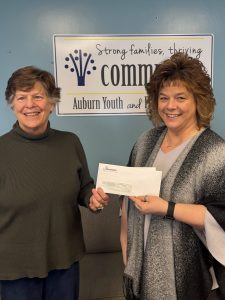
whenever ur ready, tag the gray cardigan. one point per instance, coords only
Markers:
(197, 176)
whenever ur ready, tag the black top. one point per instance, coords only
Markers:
(42, 181)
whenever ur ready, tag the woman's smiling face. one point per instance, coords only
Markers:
(177, 107)
(32, 109)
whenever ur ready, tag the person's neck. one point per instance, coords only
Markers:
(29, 135)
(175, 138)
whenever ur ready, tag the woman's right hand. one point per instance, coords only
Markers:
(98, 200)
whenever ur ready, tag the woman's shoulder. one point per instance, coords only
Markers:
(215, 135)
(211, 139)
(150, 135)
(145, 144)
(65, 134)
(66, 137)
(208, 149)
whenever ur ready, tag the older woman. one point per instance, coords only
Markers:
(43, 178)
(173, 245)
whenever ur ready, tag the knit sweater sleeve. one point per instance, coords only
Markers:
(86, 181)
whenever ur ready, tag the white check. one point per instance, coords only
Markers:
(129, 181)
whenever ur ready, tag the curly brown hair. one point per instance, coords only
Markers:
(182, 69)
(25, 78)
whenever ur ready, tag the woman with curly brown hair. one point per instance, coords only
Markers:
(173, 245)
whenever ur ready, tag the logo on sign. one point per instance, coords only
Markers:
(81, 64)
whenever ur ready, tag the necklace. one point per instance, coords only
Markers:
(168, 145)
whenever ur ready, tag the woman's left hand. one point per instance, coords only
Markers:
(98, 200)
(150, 205)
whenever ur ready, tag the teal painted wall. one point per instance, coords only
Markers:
(26, 29)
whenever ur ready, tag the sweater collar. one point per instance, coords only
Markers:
(17, 129)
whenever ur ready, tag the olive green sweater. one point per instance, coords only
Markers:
(43, 179)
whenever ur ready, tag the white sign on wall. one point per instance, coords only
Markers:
(107, 74)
